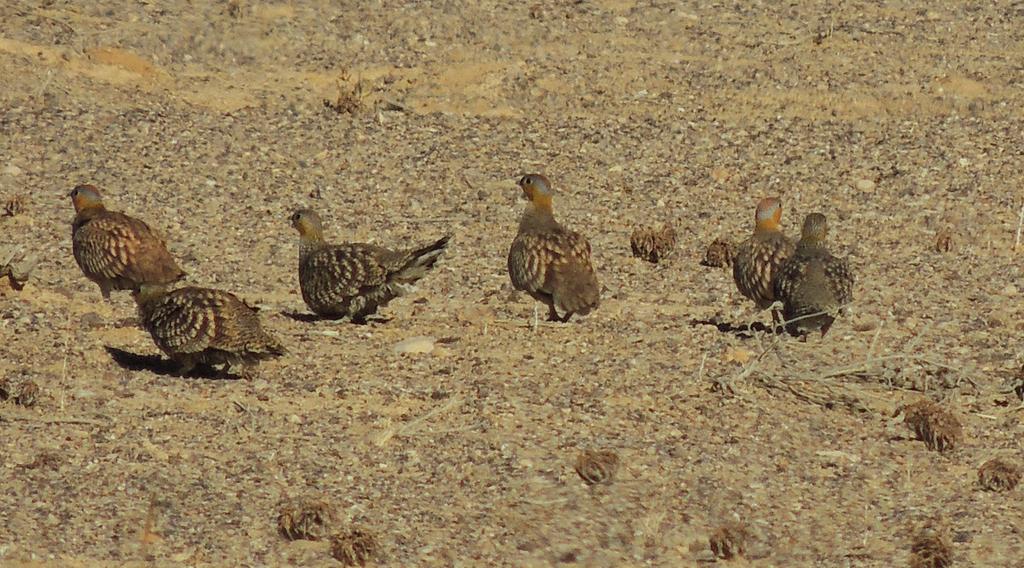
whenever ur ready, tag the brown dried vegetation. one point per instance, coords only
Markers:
(936, 426)
(653, 245)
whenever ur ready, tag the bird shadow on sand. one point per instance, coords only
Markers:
(310, 318)
(742, 330)
(161, 366)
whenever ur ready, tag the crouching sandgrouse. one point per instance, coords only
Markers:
(204, 326)
(354, 279)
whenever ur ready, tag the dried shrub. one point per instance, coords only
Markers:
(308, 519)
(234, 8)
(653, 245)
(937, 427)
(729, 540)
(349, 99)
(999, 475)
(720, 254)
(15, 205)
(597, 466)
(944, 241)
(28, 394)
(354, 547)
(931, 548)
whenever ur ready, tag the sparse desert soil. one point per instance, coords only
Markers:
(898, 120)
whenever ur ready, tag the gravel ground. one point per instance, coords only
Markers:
(401, 122)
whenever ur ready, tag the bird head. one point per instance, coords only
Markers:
(85, 196)
(148, 292)
(815, 228)
(537, 189)
(307, 223)
(768, 214)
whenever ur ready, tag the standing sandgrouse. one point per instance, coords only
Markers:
(116, 251)
(204, 326)
(550, 262)
(759, 257)
(812, 281)
(354, 279)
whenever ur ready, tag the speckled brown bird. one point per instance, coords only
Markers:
(116, 251)
(759, 256)
(354, 279)
(204, 326)
(551, 263)
(812, 281)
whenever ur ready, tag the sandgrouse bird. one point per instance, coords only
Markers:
(354, 279)
(551, 263)
(204, 326)
(116, 251)
(812, 281)
(759, 257)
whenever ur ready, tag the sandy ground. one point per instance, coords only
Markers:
(898, 120)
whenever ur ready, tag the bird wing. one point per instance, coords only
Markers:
(343, 271)
(106, 246)
(841, 279)
(186, 320)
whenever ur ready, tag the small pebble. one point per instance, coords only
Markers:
(418, 344)
(865, 185)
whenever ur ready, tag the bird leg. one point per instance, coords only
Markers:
(535, 320)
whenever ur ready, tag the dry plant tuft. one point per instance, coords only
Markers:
(653, 245)
(350, 96)
(931, 548)
(729, 540)
(308, 519)
(944, 241)
(15, 205)
(720, 254)
(597, 466)
(999, 475)
(24, 393)
(234, 8)
(937, 427)
(354, 547)
(28, 393)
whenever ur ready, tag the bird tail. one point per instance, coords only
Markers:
(419, 261)
(578, 293)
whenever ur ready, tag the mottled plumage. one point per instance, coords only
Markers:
(116, 251)
(759, 256)
(812, 281)
(550, 262)
(204, 326)
(354, 279)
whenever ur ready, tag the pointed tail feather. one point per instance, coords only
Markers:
(420, 261)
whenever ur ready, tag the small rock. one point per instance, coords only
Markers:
(1009, 290)
(12, 170)
(418, 344)
(865, 185)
